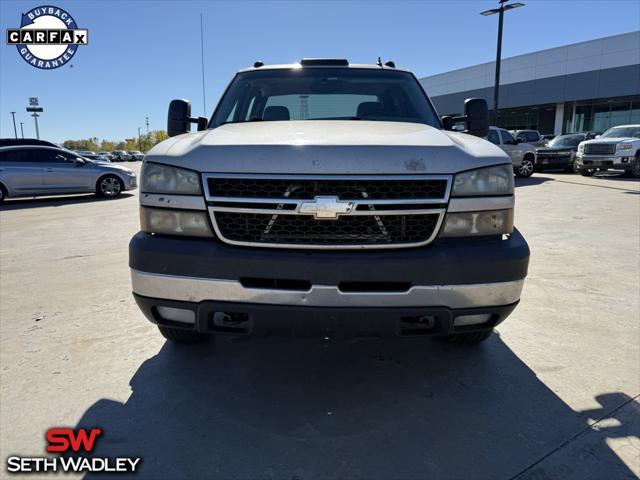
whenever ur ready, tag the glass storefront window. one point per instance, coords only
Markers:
(620, 114)
(634, 117)
(600, 116)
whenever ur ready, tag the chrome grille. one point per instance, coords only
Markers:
(346, 212)
(600, 148)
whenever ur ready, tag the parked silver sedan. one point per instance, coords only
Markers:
(39, 170)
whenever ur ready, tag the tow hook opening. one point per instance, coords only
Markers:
(230, 322)
(417, 325)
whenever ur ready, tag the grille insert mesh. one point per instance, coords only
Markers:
(307, 189)
(346, 230)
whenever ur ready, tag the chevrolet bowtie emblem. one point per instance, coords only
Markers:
(327, 208)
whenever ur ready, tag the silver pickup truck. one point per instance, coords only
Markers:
(327, 198)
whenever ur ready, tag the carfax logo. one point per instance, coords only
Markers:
(48, 37)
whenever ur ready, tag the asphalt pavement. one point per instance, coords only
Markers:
(553, 394)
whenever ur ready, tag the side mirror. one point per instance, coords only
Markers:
(476, 117)
(447, 122)
(518, 140)
(477, 113)
(202, 123)
(179, 118)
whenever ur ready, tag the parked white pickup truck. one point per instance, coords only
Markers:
(618, 148)
(327, 198)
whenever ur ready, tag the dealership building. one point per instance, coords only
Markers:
(587, 86)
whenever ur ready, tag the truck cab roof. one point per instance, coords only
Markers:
(324, 63)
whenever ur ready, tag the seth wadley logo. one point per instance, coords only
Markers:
(70, 443)
(48, 37)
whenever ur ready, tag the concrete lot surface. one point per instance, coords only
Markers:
(552, 395)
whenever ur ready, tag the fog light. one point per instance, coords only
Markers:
(181, 315)
(463, 320)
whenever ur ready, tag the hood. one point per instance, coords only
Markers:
(111, 166)
(555, 149)
(610, 141)
(327, 147)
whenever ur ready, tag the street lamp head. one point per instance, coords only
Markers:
(503, 7)
(511, 6)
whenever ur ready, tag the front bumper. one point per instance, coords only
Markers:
(130, 183)
(266, 291)
(554, 161)
(607, 161)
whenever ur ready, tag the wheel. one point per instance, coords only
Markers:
(574, 167)
(109, 186)
(182, 336)
(526, 169)
(3, 193)
(471, 338)
(635, 169)
(588, 172)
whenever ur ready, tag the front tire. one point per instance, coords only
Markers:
(526, 169)
(574, 167)
(587, 172)
(635, 169)
(109, 186)
(3, 193)
(471, 338)
(182, 336)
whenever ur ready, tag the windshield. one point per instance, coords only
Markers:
(324, 94)
(566, 141)
(620, 132)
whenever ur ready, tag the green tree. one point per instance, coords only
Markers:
(144, 144)
(107, 146)
(88, 144)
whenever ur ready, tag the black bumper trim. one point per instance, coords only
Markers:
(444, 262)
(341, 322)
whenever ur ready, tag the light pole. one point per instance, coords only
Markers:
(34, 108)
(15, 131)
(496, 86)
(139, 147)
(22, 129)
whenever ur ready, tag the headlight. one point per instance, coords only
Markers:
(581, 148)
(466, 224)
(496, 180)
(157, 178)
(175, 222)
(625, 146)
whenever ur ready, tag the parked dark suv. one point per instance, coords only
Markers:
(560, 153)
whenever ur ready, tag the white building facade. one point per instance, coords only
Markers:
(587, 86)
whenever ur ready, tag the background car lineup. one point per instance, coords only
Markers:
(31, 170)
(618, 148)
